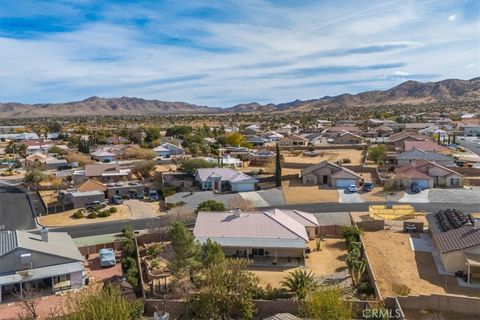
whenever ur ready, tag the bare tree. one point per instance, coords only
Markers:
(28, 295)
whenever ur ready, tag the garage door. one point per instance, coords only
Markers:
(422, 183)
(343, 183)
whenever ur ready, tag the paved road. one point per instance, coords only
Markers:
(117, 226)
(474, 147)
(15, 211)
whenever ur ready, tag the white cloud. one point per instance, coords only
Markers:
(108, 58)
(452, 17)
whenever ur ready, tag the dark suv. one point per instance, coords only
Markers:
(415, 187)
(368, 186)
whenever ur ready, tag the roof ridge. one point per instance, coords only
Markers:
(280, 223)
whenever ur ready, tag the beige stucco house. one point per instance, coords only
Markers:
(329, 174)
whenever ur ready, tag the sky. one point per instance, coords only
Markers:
(221, 53)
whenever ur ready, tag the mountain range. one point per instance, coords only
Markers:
(409, 92)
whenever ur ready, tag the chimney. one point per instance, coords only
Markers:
(44, 234)
(237, 212)
(476, 224)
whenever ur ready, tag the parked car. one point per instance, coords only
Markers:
(107, 257)
(116, 200)
(368, 186)
(96, 205)
(415, 187)
(352, 188)
(409, 227)
(153, 195)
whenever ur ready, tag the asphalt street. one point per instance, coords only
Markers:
(15, 211)
(474, 147)
(141, 224)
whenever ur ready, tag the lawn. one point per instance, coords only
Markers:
(296, 192)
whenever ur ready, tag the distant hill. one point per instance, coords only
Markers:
(96, 106)
(409, 92)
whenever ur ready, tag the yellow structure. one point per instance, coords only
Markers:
(394, 212)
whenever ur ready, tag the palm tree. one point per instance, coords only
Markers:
(299, 282)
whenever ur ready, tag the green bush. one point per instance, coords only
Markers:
(104, 214)
(401, 289)
(211, 205)
(366, 288)
(78, 214)
(92, 215)
(113, 210)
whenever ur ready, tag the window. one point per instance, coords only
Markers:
(258, 252)
(455, 182)
(310, 180)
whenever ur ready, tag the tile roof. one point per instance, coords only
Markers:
(428, 146)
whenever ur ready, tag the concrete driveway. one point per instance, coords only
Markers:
(455, 195)
(345, 196)
(410, 197)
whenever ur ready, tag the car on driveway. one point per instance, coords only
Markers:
(352, 188)
(368, 186)
(96, 205)
(415, 187)
(116, 200)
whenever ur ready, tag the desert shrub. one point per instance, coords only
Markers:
(92, 215)
(366, 288)
(104, 214)
(78, 214)
(154, 263)
(401, 289)
(211, 205)
(346, 160)
(112, 210)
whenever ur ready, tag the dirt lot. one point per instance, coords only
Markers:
(296, 192)
(165, 167)
(393, 261)
(377, 194)
(65, 218)
(329, 154)
(330, 259)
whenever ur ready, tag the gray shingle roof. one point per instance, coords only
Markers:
(416, 154)
(8, 241)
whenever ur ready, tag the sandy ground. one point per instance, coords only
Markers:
(330, 259)
(65, 218)
(296, 192)
(377, 194)
(165, 168)
(393, 261)
(329, 154)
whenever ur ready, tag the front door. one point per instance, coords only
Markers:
(215, 184)
(435, 181)
(325, 180)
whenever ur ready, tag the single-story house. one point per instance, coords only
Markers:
(255, 140)
(224, 179)
(346, 137)
(167, 149)
(104, 172)
(397, 141)
(292, 141)
(122, 189)
(471, 130)
(426, 145)
(258, 235)
(429, 175)
(91, 185)
(50, 259)
(262, 156)
(408, 157)
(103, 155)
(456, 237)
(79, 199)
(329, 174)
(226, 160)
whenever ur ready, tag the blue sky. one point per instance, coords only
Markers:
(220, 53)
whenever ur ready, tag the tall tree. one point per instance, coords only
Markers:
(186, 250)
(212, 254)
(326, 304)
(278, 168)
(224, 291)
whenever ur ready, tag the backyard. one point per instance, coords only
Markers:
(394, 262)
(332, 155)
(329, 261)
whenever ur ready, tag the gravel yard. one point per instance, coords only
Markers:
(393, 261)
(296, 192)
(454, 195)
(333, 155)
